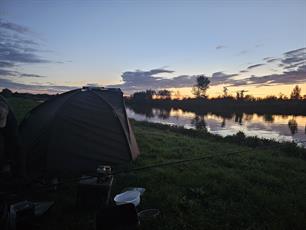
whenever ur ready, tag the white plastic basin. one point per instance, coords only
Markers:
(128, 197)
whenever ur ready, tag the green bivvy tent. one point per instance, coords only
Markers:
(76, 131)
(9, 137)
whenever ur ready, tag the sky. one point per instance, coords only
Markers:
(54, 46)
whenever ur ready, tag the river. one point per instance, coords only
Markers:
(277, 127)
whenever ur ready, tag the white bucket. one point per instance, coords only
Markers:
(128, 197)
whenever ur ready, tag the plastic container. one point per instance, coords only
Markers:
(128, 197)
(141, 190)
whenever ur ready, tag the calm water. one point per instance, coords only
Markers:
(277, 127)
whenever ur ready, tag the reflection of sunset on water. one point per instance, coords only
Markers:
(277, 127)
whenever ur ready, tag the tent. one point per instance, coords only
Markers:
(77, 131)
(8, 136)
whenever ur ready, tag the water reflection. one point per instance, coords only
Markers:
(278, 127)
(199, 123)
(293, 126)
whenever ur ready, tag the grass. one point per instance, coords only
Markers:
(261, 187)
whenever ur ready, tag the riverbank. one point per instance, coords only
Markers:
(260, 185)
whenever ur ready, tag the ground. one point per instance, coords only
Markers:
(252, 188)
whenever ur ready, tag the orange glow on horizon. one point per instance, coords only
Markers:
(258, 92)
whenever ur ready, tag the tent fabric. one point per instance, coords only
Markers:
(9, 146)
(77, 131)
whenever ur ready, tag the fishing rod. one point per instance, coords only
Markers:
(147, 167)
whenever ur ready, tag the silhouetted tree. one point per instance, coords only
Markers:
(144, 95)
(200, 88)
(296, 93)
(225, 91)
(164, 94)
(240, 94)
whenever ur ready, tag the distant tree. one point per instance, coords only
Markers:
(150, 93)
(240, 94)
(225, 91)
(296, 93)
(144, 95)
(271, 98)
(249, 98)
(164, 94)
(201, 86)
(282, 96)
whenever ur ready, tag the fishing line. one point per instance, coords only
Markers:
(147, 167)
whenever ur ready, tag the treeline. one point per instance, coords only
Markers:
(223, 104)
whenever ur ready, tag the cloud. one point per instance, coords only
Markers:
(16, 47)
(13, 27)
(273, 60)
(153, 79)
(294, 56)
(4, 64)
(142, 80)
(254, 66)
(243, 71)
(219, 47)
(4, 72)
(31, 75)
(298, 64)
(218, 78)
(289, 77)
(13, 73)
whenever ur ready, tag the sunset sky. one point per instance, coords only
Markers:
(54, 46)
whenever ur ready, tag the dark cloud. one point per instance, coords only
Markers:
(13, 27)
(273, 60)
(17, 48)
(218, 78)
(290, 77)
(298, 64)
(220, 47)
(294, 56)
(4, 64)
(13, 73)
(142, 80)
(255, 66)
(31, 75)
(4, 72)
(243, 71)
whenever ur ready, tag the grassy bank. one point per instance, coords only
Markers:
(259, 187)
